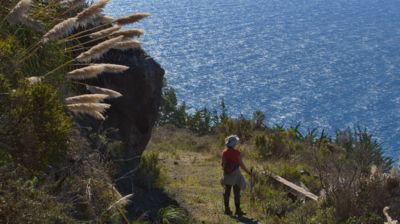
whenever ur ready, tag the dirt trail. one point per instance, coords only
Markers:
(193, 180)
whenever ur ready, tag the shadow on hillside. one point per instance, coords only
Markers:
(245, 220)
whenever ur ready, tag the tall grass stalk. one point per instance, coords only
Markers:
(58, 68)
(77, 49)
(105, 32)
(29, 52)
(120, 21)
(84, 43)
(80, 34)
(126, 33)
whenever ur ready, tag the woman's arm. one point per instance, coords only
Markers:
(241, 164)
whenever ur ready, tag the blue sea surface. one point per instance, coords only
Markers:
(327, 64)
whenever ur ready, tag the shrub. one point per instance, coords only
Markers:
(343, 168)
(260, 143)
(9, 46)
(172, 215)
(26, 201)
(36, 127)
(302, 213)
(282, 144)
(200, 122)
(149, 173)
(277, 203)
(240, 126)
(312, 183)
(323, 216)
(363, 149)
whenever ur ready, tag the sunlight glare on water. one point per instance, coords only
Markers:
(326, 64)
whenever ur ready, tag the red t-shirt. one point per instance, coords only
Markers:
(231, 157)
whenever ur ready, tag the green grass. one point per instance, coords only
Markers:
(193, 176)
(193, 179)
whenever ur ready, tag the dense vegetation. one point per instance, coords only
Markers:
(49, 171)
(349, 171)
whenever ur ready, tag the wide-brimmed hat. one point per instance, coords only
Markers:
(231, 141)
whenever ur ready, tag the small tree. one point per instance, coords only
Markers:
(170, 111)
(258, 120)
(200, 122)
(36, 127)
(224, 111)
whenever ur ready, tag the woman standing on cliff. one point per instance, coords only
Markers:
(231, 161)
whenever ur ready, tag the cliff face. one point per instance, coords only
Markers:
(135, 113)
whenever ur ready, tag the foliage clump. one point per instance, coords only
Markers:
(48, 171)
(149, 172)
(171, 214)
(25, 200)
(36, 127)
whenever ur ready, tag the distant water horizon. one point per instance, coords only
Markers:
(326, 64)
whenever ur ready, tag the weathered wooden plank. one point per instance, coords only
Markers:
(292, 186)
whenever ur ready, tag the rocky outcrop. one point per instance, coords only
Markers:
(135, 113)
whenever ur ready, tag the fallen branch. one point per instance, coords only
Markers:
(292, 186)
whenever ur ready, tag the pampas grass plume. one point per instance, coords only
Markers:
(92, 71)
(19, 11)
(126, 45)
(88, 14)
(131, 19)
(86, 98)
(128, 33)
(98, 50)
(105, 32)
(34, 79)
(92, 109)
(60, 30)
(106, 20)
(88, 107)
(111, 93)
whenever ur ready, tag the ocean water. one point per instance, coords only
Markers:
(327, 64)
